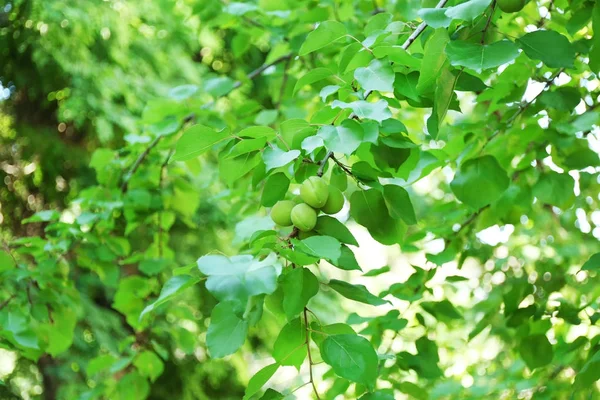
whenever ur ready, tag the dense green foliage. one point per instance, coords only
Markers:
(147, 147)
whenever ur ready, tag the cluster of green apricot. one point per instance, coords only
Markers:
(315, 195)
(511, 6)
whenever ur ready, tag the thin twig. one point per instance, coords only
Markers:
(487, 24)
(522, 108)
(420, 28)
(261, 69)
(160, 183)
(310, 362)
(139, 162)
(323, 163)
(283, 82)
(5, 302)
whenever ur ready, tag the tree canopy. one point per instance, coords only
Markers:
(338, 199)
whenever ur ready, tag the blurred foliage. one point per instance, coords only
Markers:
(469, 147)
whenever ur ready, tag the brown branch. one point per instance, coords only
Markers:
(310, 361)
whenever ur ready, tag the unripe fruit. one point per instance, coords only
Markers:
(335, 201)
(314, 191)
(297, 199)
(306, 235)
(281, 213)
(511, 6)
(304, 217)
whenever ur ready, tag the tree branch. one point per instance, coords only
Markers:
(153, 144)
(522, 108)
(139, 162)
(420, 28)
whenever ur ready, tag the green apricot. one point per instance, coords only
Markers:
(314, 191)
(335, 201)
(304, 217)
(304, 235)
(511, 6)
(297, 199)
(281, 213)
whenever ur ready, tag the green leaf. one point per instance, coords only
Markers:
(232, 169)
(246, 146)
(550, 47)
(344, 138)
(312, 76)
(149, 365)
(536, 351)
(255, 132)
(42, 216)
(60, 333)
(479, 182)
(325, 247)
(226, 332)
(271, 394)
(352, 357)
(556, 189)
(218, 87)
(320, 332)
(275, 157)
(299, 286)
(238, 278)
(328, 91)
(435, 17)
(275, 189)
(481, 57)
(589, 373)
(327, 32)
(444, 93)
(406, 85)
(6, 261)
(288, 348)
(172, 287)
(378, 395)
(260, 379)
(377, 111)
(592, 264)
(594, 63)
(377, 271)
(441, 310)
(583, 123)
(434, 59)
(562, 99)
(347, 260)
(468, 10)
(356, 292)
(378, 75)
(398, 55)
(329, 226)
(399, 204)
(368, 208)
(197, 140)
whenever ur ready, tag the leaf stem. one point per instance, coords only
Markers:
(310, 361)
